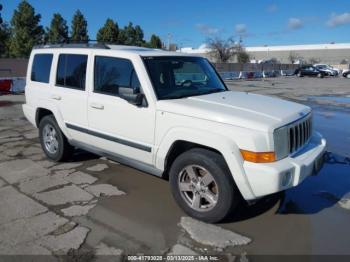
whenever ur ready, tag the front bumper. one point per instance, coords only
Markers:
(268, 178)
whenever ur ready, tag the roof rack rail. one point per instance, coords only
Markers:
(73, 45)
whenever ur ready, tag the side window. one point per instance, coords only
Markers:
(71, 71)
(110, 73)
(41, 68)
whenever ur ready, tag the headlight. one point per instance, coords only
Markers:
(280, 138)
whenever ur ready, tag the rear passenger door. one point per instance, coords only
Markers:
(116, 125)
(69, 92)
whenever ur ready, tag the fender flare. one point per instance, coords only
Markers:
(56, 113)
(225, 145)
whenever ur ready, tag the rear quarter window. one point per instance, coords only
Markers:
(41, 68)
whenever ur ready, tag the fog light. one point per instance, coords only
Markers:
(286, 178)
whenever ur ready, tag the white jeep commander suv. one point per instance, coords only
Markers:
(170, 115)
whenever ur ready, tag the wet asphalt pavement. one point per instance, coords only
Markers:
(134, 213)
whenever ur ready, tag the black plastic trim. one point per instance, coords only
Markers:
(110, 138)
(73, 45)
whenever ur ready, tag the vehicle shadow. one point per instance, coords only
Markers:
(247, 211)
(82, 155)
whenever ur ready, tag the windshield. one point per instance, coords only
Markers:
(177, 77)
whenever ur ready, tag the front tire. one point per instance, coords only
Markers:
(53, 142)
(202, 185)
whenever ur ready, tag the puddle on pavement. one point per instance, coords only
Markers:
(332, 99)
(146, 216)
(334, 125)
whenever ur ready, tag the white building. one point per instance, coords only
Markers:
(326, 53)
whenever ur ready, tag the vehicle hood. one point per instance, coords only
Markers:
(237, 108)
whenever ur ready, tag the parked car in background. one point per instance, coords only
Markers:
(309, 70)
(327, 70)
(346, 73)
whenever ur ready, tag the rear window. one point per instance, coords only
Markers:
(71, 71)
(41, 68)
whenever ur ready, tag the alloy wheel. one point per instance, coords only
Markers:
(198, 188)
(50, 139)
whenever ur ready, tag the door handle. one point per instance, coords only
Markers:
(97, 106)
(56, 97)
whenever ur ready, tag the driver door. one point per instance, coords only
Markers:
(116, 125)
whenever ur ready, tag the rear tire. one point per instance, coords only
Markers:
(53, 142)
(216, 199)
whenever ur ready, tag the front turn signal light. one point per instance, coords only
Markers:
(258, 157)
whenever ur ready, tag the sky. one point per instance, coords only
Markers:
(190, 23)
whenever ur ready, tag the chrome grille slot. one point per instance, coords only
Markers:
(299, 133)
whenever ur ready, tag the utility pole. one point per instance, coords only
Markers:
(169, 40)
(0, 14)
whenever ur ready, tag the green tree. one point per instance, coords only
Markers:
(108, 33)
(155, 42)
(132, 35)
(138, 36)
(129, 33)
(5, 33)
(79, 31)
(122, 37)
(58, 31)
(26, 31)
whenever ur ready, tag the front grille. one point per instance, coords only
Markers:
(299, 133)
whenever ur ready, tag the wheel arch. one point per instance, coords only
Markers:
(40, 114)
(178, 140)
(179, 147)
(45, 109)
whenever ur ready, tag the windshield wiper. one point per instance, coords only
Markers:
(180, 96)
(214, 90)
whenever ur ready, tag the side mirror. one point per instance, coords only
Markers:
(131, 95)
